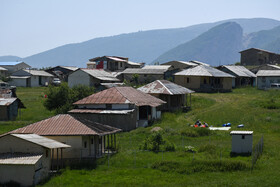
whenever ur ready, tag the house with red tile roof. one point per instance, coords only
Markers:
(121, 107)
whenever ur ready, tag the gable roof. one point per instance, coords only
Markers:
(204, 71)
(268, 73)
(40, 140)
(100, 74)
(199, 63)
(3, 69)
(19, 158)
(164, 87)
(257, 49)
(121, 95)
(10, 63)
(65, 124)
(179, 62)
(240, 71)
(157, 69)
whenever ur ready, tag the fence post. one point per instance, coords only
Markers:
(108, 159)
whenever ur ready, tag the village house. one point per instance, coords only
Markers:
(180, 65)
(267, 77)
(253, 57)
(28, 158)
(112, 63)
(9, 106)
(175, 96)
(30, 78)
(90, 77)
(264, 67)
(88, 139)
(243, 77)
(62, 72)
(204, 79)
(147, 74)
(242, 141)
(3, 72)
(14, 66)
(121, 107)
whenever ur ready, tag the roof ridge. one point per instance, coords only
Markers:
(165, 87)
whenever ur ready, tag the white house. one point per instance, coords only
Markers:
(242, 141)
(90, 77)
(30, 78)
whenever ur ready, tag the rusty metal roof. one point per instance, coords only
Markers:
(121, 95)
(65, 124)
(164, 87)
(19, 158)
(92, 111)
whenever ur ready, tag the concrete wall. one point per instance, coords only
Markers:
(24, 174)
(76, 143)
(264, 82)
(194, 82)
(18, 82)
(242, 145)
(3, 112)
(78, 77)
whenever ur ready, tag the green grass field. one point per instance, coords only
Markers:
(211, 165)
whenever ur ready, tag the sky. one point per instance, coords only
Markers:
(29, 27)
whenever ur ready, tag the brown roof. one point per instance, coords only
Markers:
(121, 95)
(92, 111)
(65, 124)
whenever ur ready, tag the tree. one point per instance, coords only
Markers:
(60, 98)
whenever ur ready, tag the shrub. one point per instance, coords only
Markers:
(156, 143)
(203, 131)
(189, 132)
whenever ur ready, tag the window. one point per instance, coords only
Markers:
(188, 80)
(109, 106)
(205, 81)
(85, 144)
(91, 140)
(243, 136)
(121, 64)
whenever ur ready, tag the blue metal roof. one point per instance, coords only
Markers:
(9, 63)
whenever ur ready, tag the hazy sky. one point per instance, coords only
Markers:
(28, 27)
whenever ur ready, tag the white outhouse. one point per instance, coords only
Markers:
(242, 141)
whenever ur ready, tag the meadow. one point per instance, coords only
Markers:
(210, 165)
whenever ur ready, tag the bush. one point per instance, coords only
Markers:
(203, 131)
(156, 143)
(209, 148)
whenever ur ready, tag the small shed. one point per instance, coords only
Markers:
(174, 95)
(242, 141)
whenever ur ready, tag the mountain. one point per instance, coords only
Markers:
(143, 46)
(10, 58)
(219, 45)
(267, 39)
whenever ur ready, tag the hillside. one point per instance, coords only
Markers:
(9, 58)
(219, 45)
(143, 46)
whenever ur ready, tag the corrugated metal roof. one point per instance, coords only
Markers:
(241, 132)
(3, 69)
(9, 63)
(164, 87)
(19, 77)
(38, 73)
(92, 111)
(257, 49)
(42, 141)
(120, 95)
(205, 71)
(116, 59)
(144, 71)
(268, 73)
(199, 63)
(72, 68)
(7, 101)
(240, 71)
(65, 124)
(19, 158)
(134, 63)
(100, 74)
(154, 67)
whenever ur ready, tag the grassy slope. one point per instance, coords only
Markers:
(32, 99)
(133, 167)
